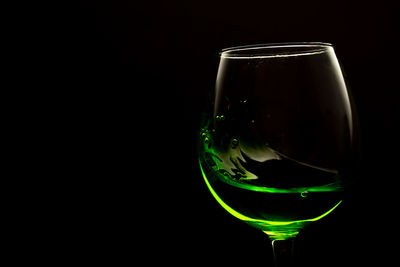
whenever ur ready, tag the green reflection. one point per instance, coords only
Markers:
(276, 230)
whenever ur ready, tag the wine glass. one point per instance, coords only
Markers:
(278, 141)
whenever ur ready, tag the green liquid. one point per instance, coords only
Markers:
(266, 190)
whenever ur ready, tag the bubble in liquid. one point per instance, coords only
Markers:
(304, 194)
(235, 143)
(220, 117)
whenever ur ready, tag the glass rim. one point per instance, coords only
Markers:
(269, 50)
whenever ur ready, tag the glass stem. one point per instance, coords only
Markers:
(283, 252)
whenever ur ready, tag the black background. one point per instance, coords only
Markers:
(124, 85)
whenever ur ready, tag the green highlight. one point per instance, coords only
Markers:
(332, 187)
(276, 230)
(243, 183)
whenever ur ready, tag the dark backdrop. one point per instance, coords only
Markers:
(128, 80)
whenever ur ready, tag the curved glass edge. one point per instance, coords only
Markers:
(318, 48)
(276, 230)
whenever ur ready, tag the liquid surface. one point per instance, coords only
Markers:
(265, 188)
